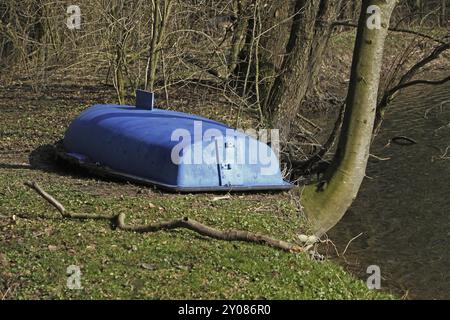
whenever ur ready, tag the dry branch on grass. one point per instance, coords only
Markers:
(185, 223)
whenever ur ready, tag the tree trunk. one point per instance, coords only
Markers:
(238, 40)
(291, 41)
(326, 203)
(443, 13)
(273, 25)
(161, 14)
(305, 49)
(277, 21)
(420, 8)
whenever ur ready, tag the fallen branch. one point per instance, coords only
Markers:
(186, 223)
(64, 213)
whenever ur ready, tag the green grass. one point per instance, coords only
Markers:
(37, 248)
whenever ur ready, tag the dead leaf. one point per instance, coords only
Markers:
(52, 248)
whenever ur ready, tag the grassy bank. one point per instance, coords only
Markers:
(37, 246)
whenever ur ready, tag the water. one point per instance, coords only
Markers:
(403, 208)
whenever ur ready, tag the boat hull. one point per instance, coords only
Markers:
(172, 150)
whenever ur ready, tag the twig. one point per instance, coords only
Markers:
(66, 214)
(308, 164)
(221, 198)
(312, 124)
(441, 108)
(444, 155)
(416, 82)
(379, 158)
(186, 223)
(413, 32)
(6, 293)
(327, 240)
(441, 127)
(351, 240)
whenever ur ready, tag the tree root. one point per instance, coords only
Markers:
(185, 223)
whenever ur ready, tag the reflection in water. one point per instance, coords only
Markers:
(403, 208)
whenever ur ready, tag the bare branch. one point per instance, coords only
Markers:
(416, 82)
(405, 82)
(183, 223)
(400, 30)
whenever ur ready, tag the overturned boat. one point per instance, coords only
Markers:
(169, 149)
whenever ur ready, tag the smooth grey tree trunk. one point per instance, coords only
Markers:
(326, 203)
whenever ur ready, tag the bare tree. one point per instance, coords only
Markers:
(161, 10)
(305, 50)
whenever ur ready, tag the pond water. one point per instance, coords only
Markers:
(403, 208)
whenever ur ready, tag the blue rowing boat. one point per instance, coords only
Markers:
(169, 149)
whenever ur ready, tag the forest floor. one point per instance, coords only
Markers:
(37, 245)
